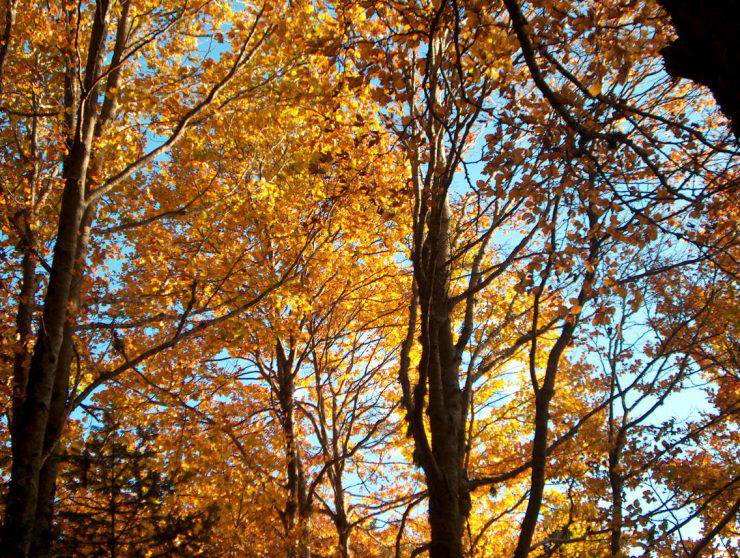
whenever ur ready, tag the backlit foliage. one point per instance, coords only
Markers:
(357, 279)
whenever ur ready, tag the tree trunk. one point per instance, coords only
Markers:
(6, 36)
(616, 482)
(297, 512)
(341, 524)
(343, 533)
(537, 482)
(446, 521)
(43, 523)
(615, 536)
(449, 499)
(33, 415)
(30, 434)
(707, 50)
(41, 546)
(42, 538)
(24, 318)
(543, 396)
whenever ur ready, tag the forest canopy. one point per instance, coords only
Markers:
(446, 278)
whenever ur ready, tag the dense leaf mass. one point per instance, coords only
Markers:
(342, 278)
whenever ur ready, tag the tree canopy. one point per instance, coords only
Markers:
(443, 278)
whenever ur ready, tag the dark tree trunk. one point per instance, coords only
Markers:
(617, 489)
(297, 511)
(537, 482)
(616, 484)
(41, 543)
(543, 397)
(10, 10)
(33, 415)
(24, 318)
(339, 517)
(42, 537)
(31, 425)
(449, 499)
(707, 49)
(344, 530)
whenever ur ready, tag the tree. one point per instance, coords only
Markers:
(83, 112)
(567, 202)
(706, 51)
(477, 247)
(95, 122)
(114, 490)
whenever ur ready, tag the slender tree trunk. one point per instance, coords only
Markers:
(704, 542)
(296, 514)
(436, 409)
(616, 483)
(537, 481)
(341, 523)
(112, 511)
(6, 36)
(449, 501)
(42, 538)
(26, 246)
(43, 533)
(24, 318)
(543, 396)
(615, 535)
(343, 533)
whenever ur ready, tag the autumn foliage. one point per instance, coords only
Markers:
(363, 279)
